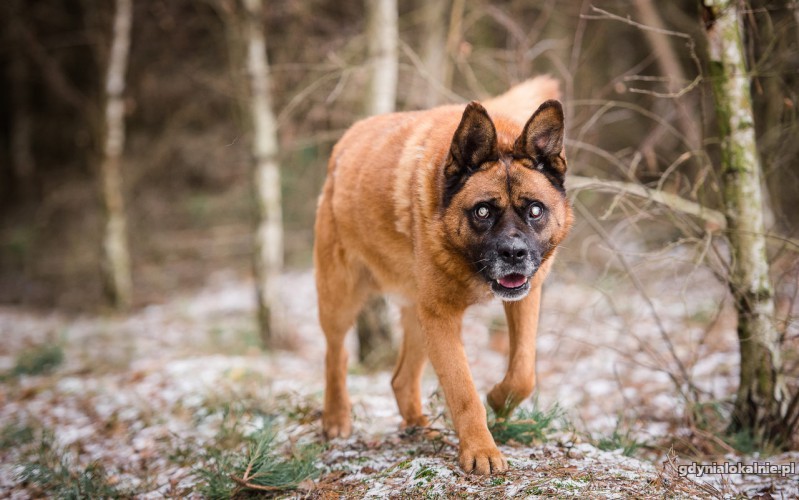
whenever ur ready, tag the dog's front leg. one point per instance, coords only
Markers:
(442, 327)
(519, 380)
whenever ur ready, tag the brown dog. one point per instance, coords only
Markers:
(445, 208)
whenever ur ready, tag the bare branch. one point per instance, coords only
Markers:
(686, 377)
(666, 58)
(424, 73)
(714, 219)
(603, 14)
(640, 110)
(670, 95)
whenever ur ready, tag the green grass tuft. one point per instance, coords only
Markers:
(425, 473)
(526, 425)
(49, 470)
(15, 435)
(748, 444)
(215, 481)
(39, 360)
(619, 440)
(262, 468)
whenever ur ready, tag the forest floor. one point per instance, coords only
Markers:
(164, 401)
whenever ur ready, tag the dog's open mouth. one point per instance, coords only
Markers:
(512, 281)
(511, 287)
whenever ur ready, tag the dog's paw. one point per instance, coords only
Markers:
(483, 460)
(336, 425)
(500, 400)
(505, 397)
(420, 421)
(419, 427)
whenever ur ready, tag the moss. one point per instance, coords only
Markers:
(50, 470)
(15, 435)
(40, 360)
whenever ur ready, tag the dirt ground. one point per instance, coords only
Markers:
(146, 395)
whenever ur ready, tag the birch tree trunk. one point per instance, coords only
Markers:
(761, 403)
(116, 256)
(373, 326)
(383, 39)
(428, 83)
(268, 251)
(454, 39)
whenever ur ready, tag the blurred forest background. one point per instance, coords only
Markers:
(186, 162)
(186, 165)
(644, 141)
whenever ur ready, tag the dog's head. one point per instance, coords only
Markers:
(504, 205)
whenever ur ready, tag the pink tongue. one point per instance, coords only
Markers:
(512, 281)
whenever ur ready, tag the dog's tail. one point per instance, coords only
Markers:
(521, 100)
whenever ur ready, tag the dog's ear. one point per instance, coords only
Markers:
(474, 142)
(542, 139)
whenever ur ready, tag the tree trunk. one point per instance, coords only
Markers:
(116, 256)
(433, 53)
(268, 251)
(669, 65)
(375, 349)
(454, 39)
(761, 402)
(22, 162)
(773, 38)
(373, 327)
(383, 40)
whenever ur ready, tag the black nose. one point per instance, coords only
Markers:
(513, 251)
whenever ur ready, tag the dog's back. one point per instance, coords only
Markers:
(380, 165)
(520, 100)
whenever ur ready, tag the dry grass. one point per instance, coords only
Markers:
(193, 394)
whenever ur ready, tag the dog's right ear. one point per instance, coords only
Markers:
(474, 142)
(542, 140)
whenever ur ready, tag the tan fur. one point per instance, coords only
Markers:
(381, 228)
(520, 100)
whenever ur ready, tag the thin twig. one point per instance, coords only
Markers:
(254, 486)
(712, 437)
(609, 15)
(669, 95)
(639, 286)
(424, 73)
(247, 472)
(640, 110)
(713, 217)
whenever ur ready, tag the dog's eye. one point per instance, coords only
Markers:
(482, 212)
(536, 211)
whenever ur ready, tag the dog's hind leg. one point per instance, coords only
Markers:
(342, 286)
(341, 296)
(407, 379)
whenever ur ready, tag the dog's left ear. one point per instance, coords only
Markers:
(542, 138)
(474, 142)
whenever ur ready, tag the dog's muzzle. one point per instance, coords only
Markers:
(509, 266)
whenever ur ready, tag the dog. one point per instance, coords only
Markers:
(444, 208)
